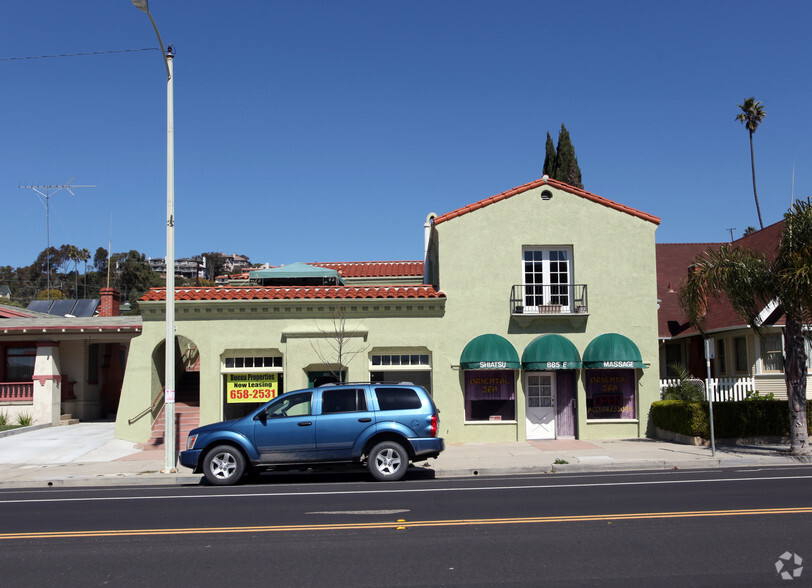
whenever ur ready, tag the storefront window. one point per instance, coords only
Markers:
(610, 394)
(401, 367)
(490, 395)
(248, 381)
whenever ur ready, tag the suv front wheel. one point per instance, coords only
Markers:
(223, 465)
(388, 461)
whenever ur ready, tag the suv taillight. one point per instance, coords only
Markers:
(435, 423)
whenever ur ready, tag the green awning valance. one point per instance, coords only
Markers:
(489, 352)
(551, 352)
(612, 351)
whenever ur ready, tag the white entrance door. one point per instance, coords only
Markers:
(540, 415)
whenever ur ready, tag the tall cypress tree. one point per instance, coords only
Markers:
(566, 168)
(549, 157)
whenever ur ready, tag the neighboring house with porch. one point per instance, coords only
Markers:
(744, 361)
(532, 315)
(53, 366)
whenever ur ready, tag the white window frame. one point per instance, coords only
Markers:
(252, 369)
(763, 351)
(547, 297)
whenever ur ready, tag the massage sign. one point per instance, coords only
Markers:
(610, 394)
(251, 387)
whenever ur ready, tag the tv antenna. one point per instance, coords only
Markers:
(46, 192)
(731, 229)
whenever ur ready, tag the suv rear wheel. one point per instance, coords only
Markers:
(388, 461)
(223, 465)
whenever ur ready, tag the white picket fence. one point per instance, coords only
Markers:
(723, 389)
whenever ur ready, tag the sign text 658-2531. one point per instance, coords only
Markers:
(251, 387)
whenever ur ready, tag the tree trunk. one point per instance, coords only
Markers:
(753, 168)
(795, 373)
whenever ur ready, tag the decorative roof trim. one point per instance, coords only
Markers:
(555, 184)
(296, 293)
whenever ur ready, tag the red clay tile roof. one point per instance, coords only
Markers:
(673, 260)
(554, 184)
(294, 293)
(374, 269)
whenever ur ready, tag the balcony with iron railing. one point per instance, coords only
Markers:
(548, 300)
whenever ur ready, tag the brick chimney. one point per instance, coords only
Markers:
(110, 302)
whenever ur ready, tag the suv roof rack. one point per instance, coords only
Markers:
(364, 384)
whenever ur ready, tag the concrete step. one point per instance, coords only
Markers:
(187, 417)
(67, 419)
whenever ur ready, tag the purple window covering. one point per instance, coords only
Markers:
(610, 394)
(489, 385)
(565, 404)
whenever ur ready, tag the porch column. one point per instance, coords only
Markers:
(47, 384)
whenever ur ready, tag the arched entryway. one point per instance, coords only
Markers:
(187, 390)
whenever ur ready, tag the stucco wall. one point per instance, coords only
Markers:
(295, 329)
(479, 258)
(613, 254)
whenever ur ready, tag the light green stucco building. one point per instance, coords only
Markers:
(535, 317)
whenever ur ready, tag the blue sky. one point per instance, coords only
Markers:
(327, 130)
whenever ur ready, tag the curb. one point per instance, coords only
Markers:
(117, 480)
(100, 482)
(27, 429)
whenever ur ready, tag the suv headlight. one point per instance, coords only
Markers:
(190, 442)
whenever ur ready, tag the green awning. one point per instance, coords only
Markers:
(551, 352)
(489, 352)
(612, 351)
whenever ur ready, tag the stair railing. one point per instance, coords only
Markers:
(150, 408)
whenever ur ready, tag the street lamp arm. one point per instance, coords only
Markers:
(161, 43)
(143, 6)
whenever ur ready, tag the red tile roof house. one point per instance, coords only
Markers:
(744, 360)
(57, 367)
(521, 273)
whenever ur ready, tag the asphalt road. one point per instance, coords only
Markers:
(678, 528)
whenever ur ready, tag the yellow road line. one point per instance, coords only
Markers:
(406, 524)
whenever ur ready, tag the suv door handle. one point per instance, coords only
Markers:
(305, 424)
(365, 420)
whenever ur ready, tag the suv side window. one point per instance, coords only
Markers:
(290, 405)
(397, 399)
(343, 400)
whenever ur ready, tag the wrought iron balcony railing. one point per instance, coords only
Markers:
(548, 299)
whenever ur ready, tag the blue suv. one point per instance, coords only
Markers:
(384, 426)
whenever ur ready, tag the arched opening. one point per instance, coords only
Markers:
(187, 389)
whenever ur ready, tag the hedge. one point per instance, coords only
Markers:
(752, 418)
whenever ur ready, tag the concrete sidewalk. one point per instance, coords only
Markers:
(87, 454)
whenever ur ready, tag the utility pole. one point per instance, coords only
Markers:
(731, 229)
(46, 192)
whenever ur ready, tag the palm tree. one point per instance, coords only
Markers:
(750, 280)
(751, 116)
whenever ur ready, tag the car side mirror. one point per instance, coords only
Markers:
(262, 416)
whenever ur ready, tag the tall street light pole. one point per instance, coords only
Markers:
(169, 373)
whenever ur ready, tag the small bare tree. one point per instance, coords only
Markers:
(339, 341)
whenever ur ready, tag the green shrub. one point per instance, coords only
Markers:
(731, 420)
(3, 419)
(678, 416)
(25, 419)
(751, 419)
